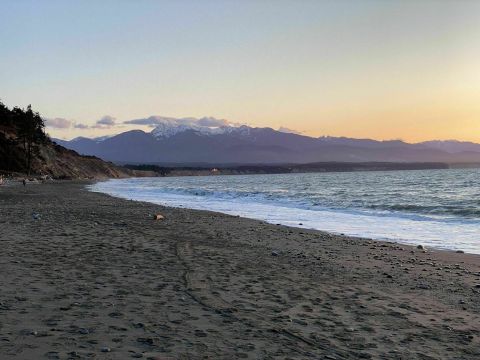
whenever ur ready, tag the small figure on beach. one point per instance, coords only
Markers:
(24, 182)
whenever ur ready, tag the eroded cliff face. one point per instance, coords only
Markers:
(56, 161)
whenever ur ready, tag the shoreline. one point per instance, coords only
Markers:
(414, 229)
(94, 275)
(410, 246)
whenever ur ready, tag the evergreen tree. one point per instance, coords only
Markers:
(30, 132)
(20, 127)
(5, 119)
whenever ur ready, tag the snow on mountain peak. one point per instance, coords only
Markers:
(167, 127)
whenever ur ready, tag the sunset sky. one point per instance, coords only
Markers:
(379, 69)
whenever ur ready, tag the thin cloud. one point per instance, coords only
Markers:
(106, 121)
(150, 121)
(153, 121)
(212, 122)
(288, 131)
(58, 123)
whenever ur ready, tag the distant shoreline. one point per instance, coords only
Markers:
(209, 169)
(154, 170)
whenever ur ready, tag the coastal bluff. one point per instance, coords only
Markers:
(26, 150)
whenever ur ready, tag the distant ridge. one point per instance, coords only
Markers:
(190, 141)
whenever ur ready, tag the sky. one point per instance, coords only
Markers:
(379, 69)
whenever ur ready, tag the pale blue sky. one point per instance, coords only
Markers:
(382, 69)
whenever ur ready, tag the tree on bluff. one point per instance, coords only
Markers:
(5, 115)
(29, 128)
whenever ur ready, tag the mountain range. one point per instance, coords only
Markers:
(195, 141)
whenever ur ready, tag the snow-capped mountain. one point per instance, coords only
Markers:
(214, 141)
(164, 127)
(167, 130)
(167, 127)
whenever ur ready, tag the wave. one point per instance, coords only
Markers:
(311, 201)
(281, 201)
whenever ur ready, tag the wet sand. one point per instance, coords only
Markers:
(85, 275)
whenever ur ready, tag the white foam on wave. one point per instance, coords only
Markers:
(402, 229)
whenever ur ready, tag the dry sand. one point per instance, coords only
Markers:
(96, 277)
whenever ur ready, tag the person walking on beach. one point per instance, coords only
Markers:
(24, 182)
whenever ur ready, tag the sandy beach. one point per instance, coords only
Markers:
(85, 275)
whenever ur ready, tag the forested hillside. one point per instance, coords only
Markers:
(26, 148)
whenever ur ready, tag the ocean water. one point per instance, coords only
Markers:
(435, 208)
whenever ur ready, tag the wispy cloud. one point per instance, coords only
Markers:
(106, 121)
(153, 121)
(289, 131)
(110, 122)
(58, 123)
(63, 124)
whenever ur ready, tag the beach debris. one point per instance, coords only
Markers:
(330, 357)
(146, 341)
(36, 216)
(424, 286)
(460, 252)
(421, 247)
(84, 331)
(200, 333)
(52, 355)
(105, 349)
(275, 252)
(299, 322)
(158, 217)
